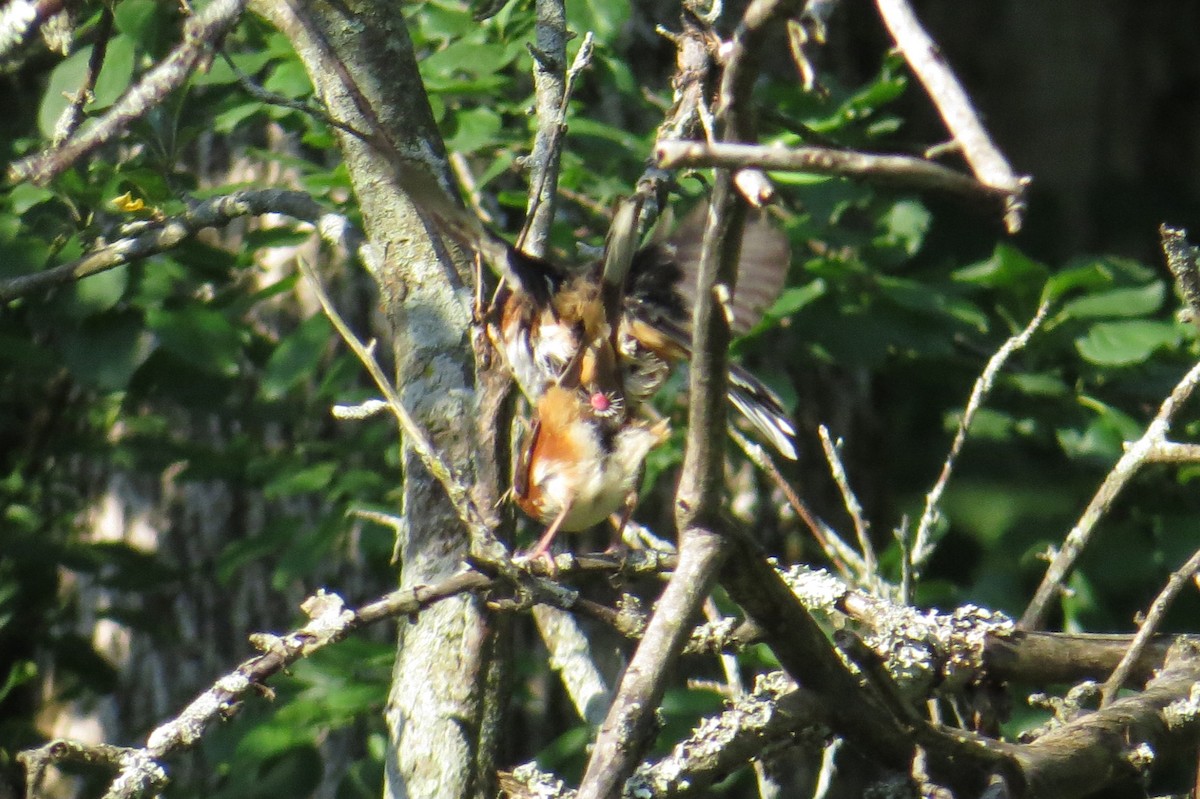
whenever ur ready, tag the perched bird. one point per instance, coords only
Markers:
(548, 314)
(581, 460)
(548, 317)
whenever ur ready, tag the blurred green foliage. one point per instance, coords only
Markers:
(885, 324)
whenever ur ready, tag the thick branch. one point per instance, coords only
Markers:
(1122, 740)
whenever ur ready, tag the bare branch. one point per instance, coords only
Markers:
(1134, 457)
(150, 238)
(201, 34)
(1122, 740)
(898, 170)
(456, 490)
(868, 575)
(1154, 616)
(923, 548)
(927, 61)
(840, 554)
(1174, 452)
(72, 115)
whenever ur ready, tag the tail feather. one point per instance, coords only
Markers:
(757, 403)
(763, 409)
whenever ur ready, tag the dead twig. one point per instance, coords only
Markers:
(868, 575)
(456, 490)
(962, 120)
(1154, 616)
(922, 547)
(897, 170)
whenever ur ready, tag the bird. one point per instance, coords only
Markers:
(547, 312)
(580, 461)
(548, 317)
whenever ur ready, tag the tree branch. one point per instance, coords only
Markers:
(151, 238)
(1154, 616)
(1135, 456)
(923, 548)
(929, 64)
(897, 170)
(201, 34)
(20, 19)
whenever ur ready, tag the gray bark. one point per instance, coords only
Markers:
(361, 62)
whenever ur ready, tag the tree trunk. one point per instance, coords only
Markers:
(361, 62)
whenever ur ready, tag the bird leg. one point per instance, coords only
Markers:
(541, 549)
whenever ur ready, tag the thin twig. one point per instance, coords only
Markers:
(840, 554)
(72, 115)
(1154, 617)
(869, 574)
(923, 547)
(200, 35)
(456, 490)
(1135, 455)
(271, 98)
(929, 64)
(897, 170)
(1149, 448)
(150, 238)
(466, 179)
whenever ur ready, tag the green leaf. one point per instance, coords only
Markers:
(1039, 385)
(138, 19)
(925, 299)
(26, 195)
(303, 481)
(105, 351)
(603, 17)
(1007, 268)
(220, 73)
(474, 130)
(21, 672)
(1117, 302)
(1095, 274)
(905, 225)
(117, 72)
(465, 58)
(795, 298)
(67, 78)
(289, 79)
(1127, 342)
(199, 336)
(296, 357)
(101, 291)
